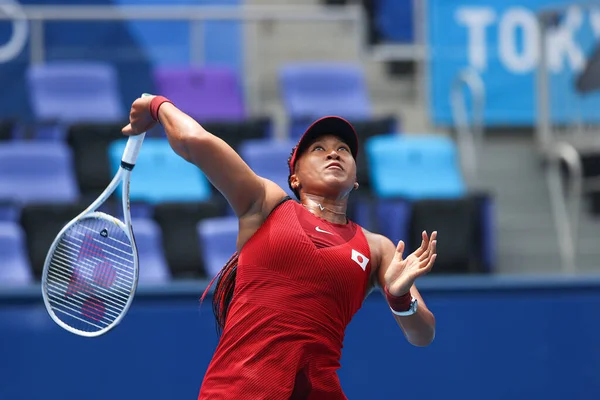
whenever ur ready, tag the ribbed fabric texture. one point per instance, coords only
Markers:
(297, 288)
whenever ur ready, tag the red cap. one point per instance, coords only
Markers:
(330, 125)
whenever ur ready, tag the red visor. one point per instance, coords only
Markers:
(327, 126)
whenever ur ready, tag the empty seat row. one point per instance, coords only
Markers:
(428, 163)
(65, 93)
(182, 244)
(21, 261)
(406, 166)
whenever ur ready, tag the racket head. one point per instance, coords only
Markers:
(90, 274)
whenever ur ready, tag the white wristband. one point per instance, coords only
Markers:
(412, 310)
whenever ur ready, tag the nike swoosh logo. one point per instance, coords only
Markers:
(322, 231)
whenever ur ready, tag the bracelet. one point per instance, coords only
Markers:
(398, 303)
(155, 104)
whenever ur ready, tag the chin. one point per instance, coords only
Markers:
(337, 188)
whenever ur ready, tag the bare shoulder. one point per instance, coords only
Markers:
(251, 221)
(379, 246)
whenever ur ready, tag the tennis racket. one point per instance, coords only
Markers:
(91, 271)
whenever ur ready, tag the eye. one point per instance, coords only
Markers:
(343, 148)
(317, 147)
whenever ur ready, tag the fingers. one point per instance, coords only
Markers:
(127, 130)
(426, 263)
(399, 250)
(424, 245)
(428, 251)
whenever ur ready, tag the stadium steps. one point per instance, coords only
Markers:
(280, 43)
(526, 237)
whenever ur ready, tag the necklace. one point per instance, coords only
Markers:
(329, 210)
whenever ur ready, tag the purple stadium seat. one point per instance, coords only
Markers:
(218, 238)
(207, 94)
(35, 172)
(152, 262)
(315, 89)
(14, 264)
(67, 92)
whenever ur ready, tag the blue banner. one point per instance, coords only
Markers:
(499, 39)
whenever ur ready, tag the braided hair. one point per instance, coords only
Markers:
(225, 279)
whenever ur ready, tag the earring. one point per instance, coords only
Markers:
(356, 185)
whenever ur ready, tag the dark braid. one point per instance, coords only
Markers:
(224, 289)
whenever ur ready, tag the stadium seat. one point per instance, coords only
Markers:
(89, 143)
(152, 262)
(458, 222)
(160, 175)
(315, 89)
(392, 219)
(268, 158)
(206, 93)
(66, 92)
(14, 264)
(394, 20)
(414, 167)
(41, 224)
(37, 172)
(218, 237)
(312, 90)
(6, 130)
(178, 223)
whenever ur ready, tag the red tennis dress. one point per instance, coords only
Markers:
(300, 279)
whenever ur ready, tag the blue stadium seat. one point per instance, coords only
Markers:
(395, 21)
(311, 90)
(268, 158)
(152, 261)
(75, 91)
(218, 237)
(160, 175)
(414, 167)
(14, 264)
(34, 172)
(66, 92)
(393, 217)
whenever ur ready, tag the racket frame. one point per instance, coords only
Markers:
(132, 149)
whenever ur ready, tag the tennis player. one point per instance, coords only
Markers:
(301, 270)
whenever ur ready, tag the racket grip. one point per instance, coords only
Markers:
(132, 148)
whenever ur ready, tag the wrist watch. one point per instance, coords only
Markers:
(412, 309)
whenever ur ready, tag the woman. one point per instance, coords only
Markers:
(302, 269)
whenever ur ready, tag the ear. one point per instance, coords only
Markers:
(294, 181)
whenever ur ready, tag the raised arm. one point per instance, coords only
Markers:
(396, 276)
(246, 192)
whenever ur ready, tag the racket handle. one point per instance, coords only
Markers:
(132, 148)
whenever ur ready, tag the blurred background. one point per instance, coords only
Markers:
(477, 118)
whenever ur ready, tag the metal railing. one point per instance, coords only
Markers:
(469, 135)
(565, 202)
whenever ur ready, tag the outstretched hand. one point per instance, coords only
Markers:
(140, 119)
(402, 272)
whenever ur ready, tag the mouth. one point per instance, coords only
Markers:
(334, 165)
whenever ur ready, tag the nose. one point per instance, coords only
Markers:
(333, 155)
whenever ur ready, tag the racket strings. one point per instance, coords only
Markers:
(91, 274)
